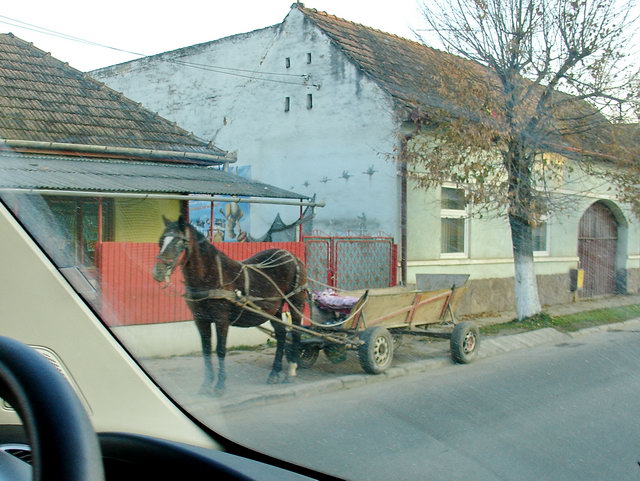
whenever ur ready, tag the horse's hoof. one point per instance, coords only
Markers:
(276, 378)
(219, 391)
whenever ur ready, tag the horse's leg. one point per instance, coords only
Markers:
(222, 329)
(204, 328)
(296, 307)
(281, 336)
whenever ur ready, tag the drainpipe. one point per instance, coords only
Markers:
(403, 222)
(125, 152)
(407, 130)
(100, 219)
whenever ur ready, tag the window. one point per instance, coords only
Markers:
(86, 221)
(309, 58)
(309, 101)
(287, 62)
(453, 224)
(287, 104)
(540, 235)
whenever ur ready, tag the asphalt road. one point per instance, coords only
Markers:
(569, 411)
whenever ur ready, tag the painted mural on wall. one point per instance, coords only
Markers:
(347, 222)
(223, 221)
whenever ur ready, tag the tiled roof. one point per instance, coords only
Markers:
(412, 73)
(627, 136)
(419, 77)
(43, 99)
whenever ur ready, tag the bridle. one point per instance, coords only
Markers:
(180, 244)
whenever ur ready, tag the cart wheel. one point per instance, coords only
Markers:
(376, 353)
(308, 355)
(464, 343)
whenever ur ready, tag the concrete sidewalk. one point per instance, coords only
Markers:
(247, 371)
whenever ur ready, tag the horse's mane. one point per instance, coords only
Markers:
(206, 246)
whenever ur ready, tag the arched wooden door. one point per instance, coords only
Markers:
(597, 242)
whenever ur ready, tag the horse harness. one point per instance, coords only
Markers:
(237, 296)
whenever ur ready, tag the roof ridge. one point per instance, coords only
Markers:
(304, 9)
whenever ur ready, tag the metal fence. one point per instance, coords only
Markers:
(351, 263)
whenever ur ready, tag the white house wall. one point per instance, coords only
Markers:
(338, 149)
(489, 249)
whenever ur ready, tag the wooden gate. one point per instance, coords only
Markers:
(597, 242)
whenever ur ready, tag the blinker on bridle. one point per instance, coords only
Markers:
(181, 246)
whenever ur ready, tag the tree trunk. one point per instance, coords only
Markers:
(526, 286)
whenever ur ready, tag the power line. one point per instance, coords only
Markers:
(210, 68)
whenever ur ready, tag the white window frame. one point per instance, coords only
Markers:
(455, 214)
(547, 240)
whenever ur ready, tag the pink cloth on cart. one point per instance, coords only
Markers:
(329, 300)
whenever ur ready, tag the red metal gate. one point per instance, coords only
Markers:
(351, 262)
(597, 242)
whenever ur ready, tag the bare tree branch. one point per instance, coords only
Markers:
(545, 77)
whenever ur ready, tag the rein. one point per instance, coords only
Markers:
(236, 296)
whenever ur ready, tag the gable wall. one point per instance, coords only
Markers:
(348, 130)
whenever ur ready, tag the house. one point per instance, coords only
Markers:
(108, 170)
(56, 119)
(323, 104)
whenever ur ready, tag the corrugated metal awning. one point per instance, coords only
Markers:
(33, 171)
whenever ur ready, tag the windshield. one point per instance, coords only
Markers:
(354, 251)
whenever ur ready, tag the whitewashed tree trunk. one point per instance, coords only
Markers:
(526, 286)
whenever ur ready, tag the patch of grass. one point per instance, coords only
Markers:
(569, 322)
(253, 347)
(246, 347)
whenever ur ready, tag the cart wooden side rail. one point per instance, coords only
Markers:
(399, 308)
(380, 313)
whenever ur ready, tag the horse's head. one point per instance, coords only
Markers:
(173, 242)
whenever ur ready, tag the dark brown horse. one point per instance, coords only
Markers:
(227, 293)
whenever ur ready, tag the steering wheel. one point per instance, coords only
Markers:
(63, 442)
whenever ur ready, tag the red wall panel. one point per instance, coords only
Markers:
(129, 295)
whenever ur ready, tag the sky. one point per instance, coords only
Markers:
(150, 27)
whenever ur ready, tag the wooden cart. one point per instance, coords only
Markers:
(380, 315)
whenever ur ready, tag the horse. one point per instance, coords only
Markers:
(225, 292)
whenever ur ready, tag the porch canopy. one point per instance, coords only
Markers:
(85, 176)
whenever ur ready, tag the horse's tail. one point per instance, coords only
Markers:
(301, 278)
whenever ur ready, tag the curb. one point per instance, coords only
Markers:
(489, 347)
